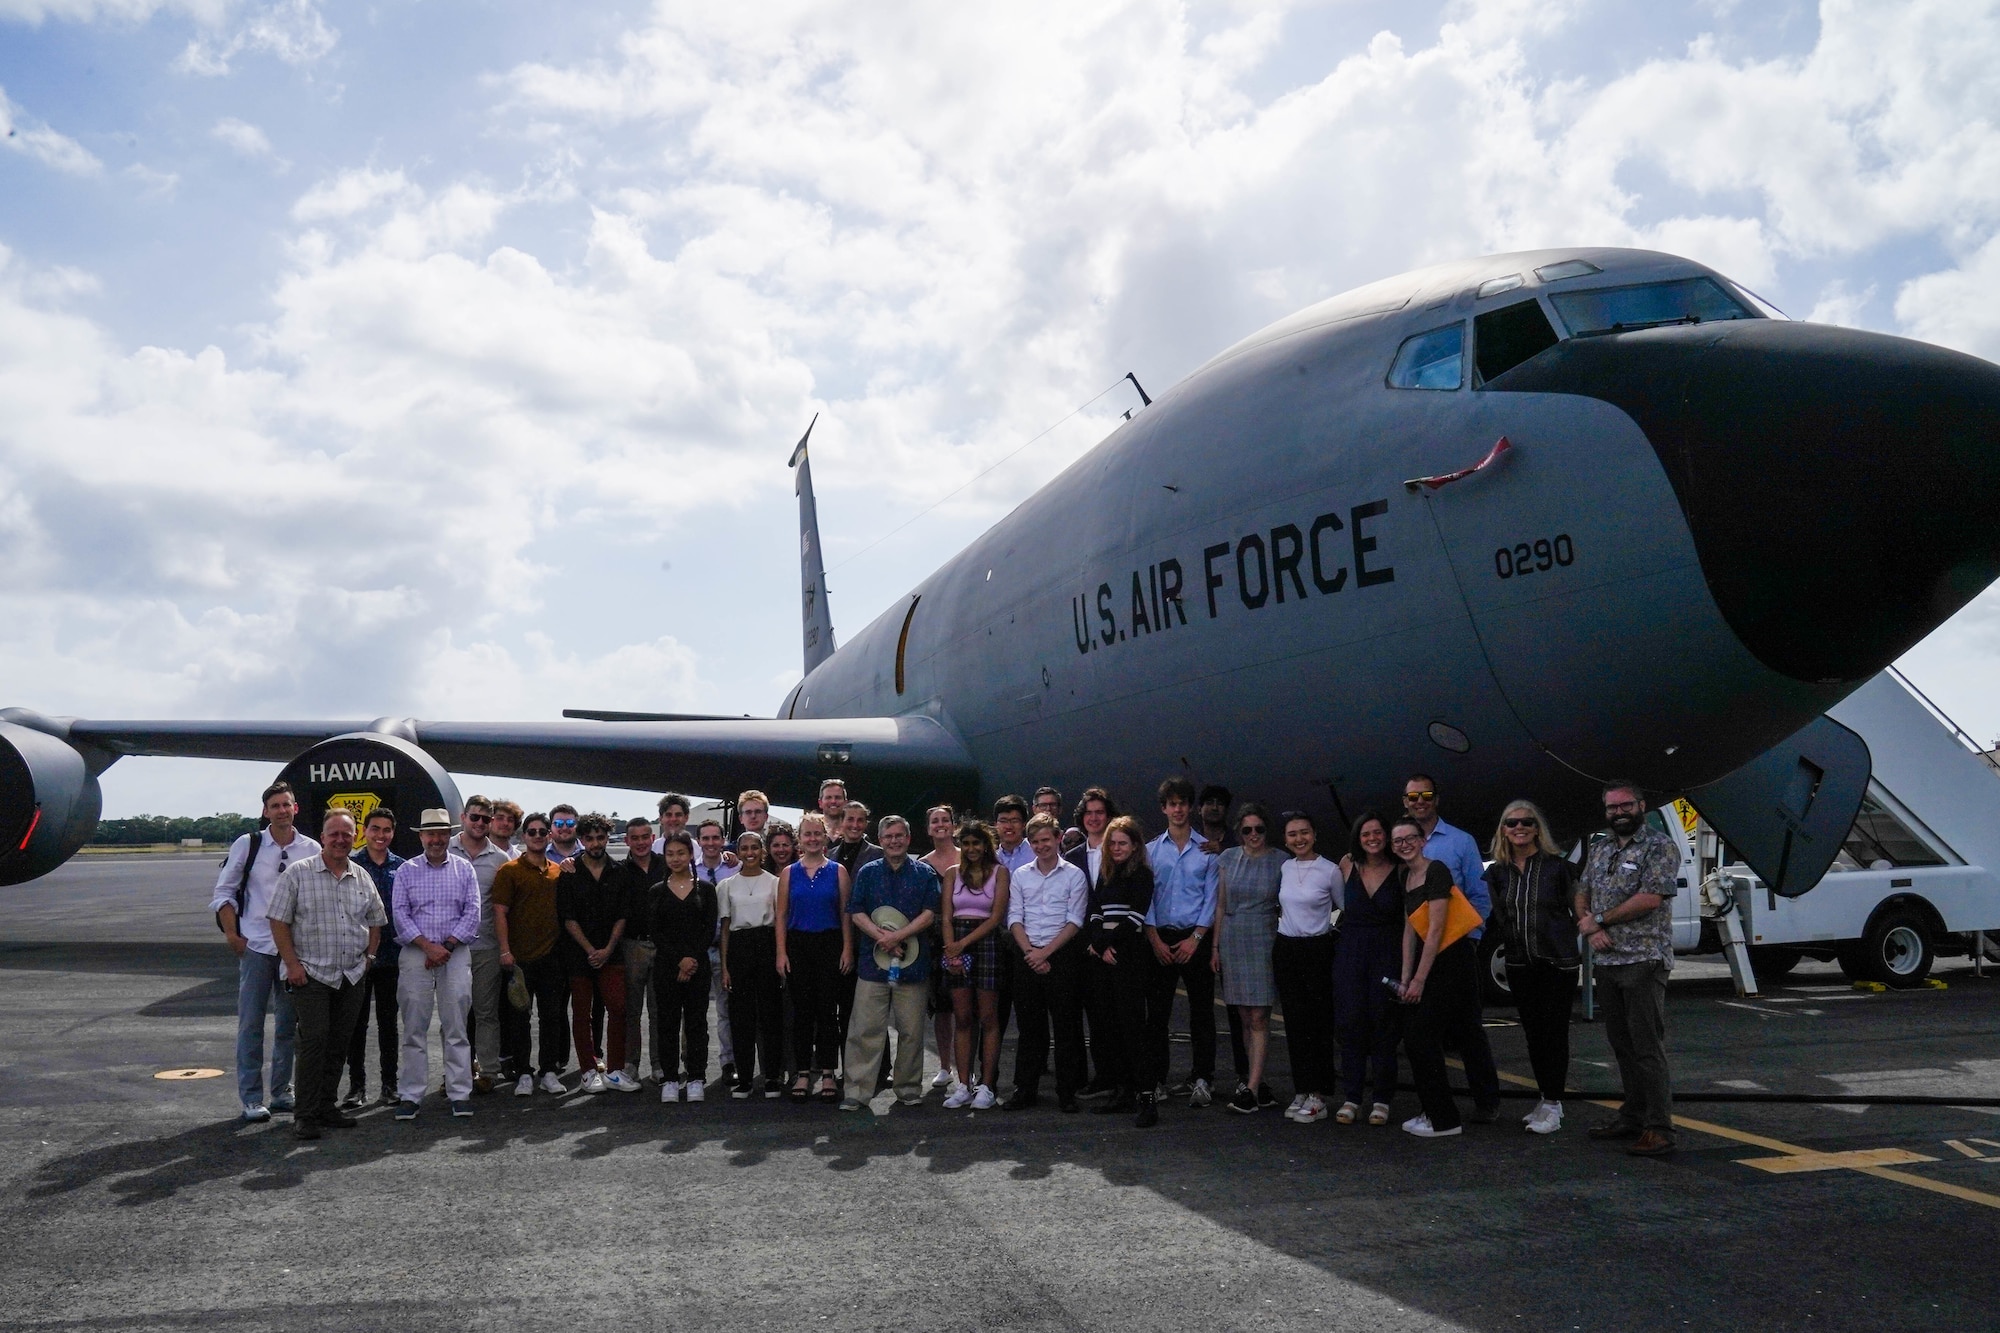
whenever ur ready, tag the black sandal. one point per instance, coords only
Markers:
(801, 1090)
(828, 1090)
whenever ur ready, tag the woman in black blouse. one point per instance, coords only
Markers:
(683, 924)
(1534, 911)
(1121, 971)
(1437, 983)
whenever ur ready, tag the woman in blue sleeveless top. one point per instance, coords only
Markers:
(1371, 939)
(815, 947)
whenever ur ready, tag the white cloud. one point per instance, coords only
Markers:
(33, 139)
(242, 138)
(1959, 307)
(152, 184)
(293, 31)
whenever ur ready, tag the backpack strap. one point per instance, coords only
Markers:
(243, 883)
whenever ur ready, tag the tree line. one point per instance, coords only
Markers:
(143, 829)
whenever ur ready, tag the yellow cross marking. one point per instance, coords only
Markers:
(1834, 1161)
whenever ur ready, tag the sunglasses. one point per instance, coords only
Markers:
(1248, 830)
(478, 819)
(534, 831)
(1521, 823)
(1420, 796)
(564, 823)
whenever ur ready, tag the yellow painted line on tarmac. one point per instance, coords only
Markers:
(1961, 1148)
(1793, 1150)
(1791, 1163)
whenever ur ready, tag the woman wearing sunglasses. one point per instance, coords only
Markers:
(1534, 912)
(1246, 924)
(975, 912)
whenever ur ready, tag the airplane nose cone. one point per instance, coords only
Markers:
(1843, 488)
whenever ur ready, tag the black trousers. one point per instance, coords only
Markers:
(1120, 999)
(816, 991)
(1543, 994)
(1367, 1015)
(327, 1017)
(683, 1007)
(1239, 1052)
(1050, 1003)
(1303, 965)
(548, 997)
(1448, 1015)
(378, 988)
(1199, 977)
(756, 1002)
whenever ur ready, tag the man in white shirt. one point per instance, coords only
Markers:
(242, 903)
(1094, 813)
(472, 844)
(1046, 903)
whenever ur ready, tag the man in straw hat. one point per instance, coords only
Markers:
(437, 919)
(894, 904)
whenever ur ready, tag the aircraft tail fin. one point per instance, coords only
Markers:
(817, 617)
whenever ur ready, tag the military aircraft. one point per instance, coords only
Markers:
(1521, 523)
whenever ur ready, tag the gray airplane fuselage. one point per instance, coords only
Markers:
(1237, 585)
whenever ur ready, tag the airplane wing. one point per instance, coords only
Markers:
(785, 758)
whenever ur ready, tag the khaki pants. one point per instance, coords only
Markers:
(875, 1005)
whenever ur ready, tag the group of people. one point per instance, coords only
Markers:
(815, 943)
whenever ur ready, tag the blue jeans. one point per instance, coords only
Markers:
(259, 990)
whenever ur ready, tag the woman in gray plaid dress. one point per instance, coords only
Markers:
(1246, 923)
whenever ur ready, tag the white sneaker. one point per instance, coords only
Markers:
(983, 1099)
(552, 1084)
(1534, 1111)
(525, 1086)
(670, 1092)
(1547, 1119)
(1199, 1093)
(697, 1091)
(1311, 1112)
(1292, 1111)
(1421, 1127)
(944, 1078)
(960, 1096)
(594, 1082)
(622, 1081)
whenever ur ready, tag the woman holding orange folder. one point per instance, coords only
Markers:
(1440, 970)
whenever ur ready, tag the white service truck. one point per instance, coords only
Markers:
(1918, 876)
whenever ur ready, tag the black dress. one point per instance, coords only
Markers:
(1370, 1018)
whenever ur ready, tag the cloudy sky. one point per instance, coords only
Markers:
(442, 358)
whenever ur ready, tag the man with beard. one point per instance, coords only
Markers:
(1624, 915)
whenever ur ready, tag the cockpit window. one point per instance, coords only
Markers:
(1616, 309)
(1433, 360)
(1508, 336)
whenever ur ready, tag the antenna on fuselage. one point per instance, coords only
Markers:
(816, 616)
(1144, 401)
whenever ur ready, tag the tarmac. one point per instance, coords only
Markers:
(132, 1202)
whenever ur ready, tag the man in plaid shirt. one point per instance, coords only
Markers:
(437, 919)
(326, 919)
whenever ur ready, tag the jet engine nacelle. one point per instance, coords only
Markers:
(49, 802)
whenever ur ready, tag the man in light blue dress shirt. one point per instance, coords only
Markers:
(1178, 926)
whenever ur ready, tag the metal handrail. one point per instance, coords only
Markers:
(1964, 737)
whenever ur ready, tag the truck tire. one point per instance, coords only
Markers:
(1772, 961)
(1493, 973)
(1897, 949)
(1852, 965)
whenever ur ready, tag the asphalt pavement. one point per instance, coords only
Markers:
(137, 1203)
